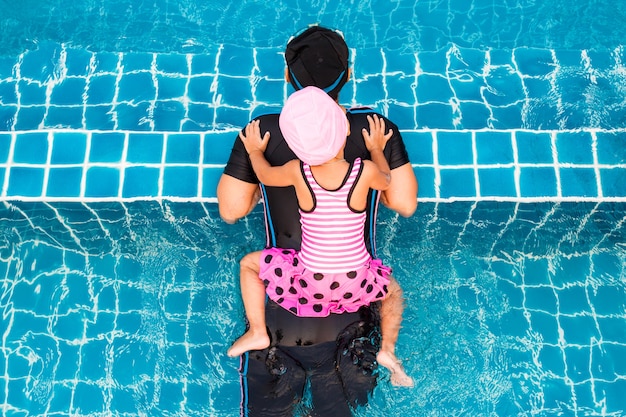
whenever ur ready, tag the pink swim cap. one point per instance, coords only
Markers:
(314, 126)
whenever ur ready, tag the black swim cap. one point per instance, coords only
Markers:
(318, 57)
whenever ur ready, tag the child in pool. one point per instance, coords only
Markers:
(333, 272)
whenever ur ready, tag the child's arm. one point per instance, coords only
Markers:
(280, 176)
(375, 141)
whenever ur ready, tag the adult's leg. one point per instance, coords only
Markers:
(272, 384)
(390, 320)
(253, 295)
(357, 346)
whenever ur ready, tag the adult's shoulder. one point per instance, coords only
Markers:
(358, 117)
(395, 151)
(269, 120)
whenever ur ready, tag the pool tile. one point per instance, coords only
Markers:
(68, 148)
(494, 148)
(183, 148)
(373, 94)
(504, 117)
(426, 182)
(467, 87)
(270, 91)
(578, 182)
(271, 63)
(538, 182)
(538, 87)
(505, 87)
(368, 61)
(32, 93)
(102, 182)
(474, 115)
(543, 323)
(101, 89)
(7, 117)
(133, 116)
(99, 118)
(573, 300)
(38, 64)
(31, 148)
(404, 63)
(432, 87)
(172, 64)
(497, 182)
(455, 148)
(236, 60)
(601, 60)
(534, 62)
(69, 92)
(534, 147)
(200, 89)
(77, 62)
(64, 182)
(613, 181)
(401, 115)
(551, 360)
(457, 183)
(136, 87)
(435, 115)
(8, 93)
(106, 62)
(608, 300)
(106, 146)
(5, 145)
(231, 117)
(64, 117)
(137, 61)
(574, 147)
(402, 89)
(169, 87)
(611, 147)
(419, 146)
(26, 182)
(27, 118)
(204, 63)
(210, 178)
(180, 181)
(168, 116)
(579, 330)
(140, 182)
(234, 91)
(202, 116)
(434, 62)
(144, 148)
(217, 146)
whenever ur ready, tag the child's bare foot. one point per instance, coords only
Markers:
(249, 341)
(399, 378)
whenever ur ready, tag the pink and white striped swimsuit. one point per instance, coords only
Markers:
(332, 233)
(333, 272)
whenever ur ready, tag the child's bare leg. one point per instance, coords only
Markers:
(390, 320)
(253, 295)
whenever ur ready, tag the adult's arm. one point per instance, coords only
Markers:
(236, 198)
(401, 196)
(238, 189)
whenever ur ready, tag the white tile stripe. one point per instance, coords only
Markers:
(123, 164)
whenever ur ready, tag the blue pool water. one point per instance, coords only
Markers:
(118, 286)
(128, 308)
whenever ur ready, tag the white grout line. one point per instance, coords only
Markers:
(435, 166)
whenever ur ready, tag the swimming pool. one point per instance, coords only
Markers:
(118, 295)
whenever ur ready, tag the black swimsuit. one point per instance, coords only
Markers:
(323, 351)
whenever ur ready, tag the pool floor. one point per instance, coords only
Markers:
(128, 309)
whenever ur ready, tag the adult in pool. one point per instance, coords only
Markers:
(334, 355)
